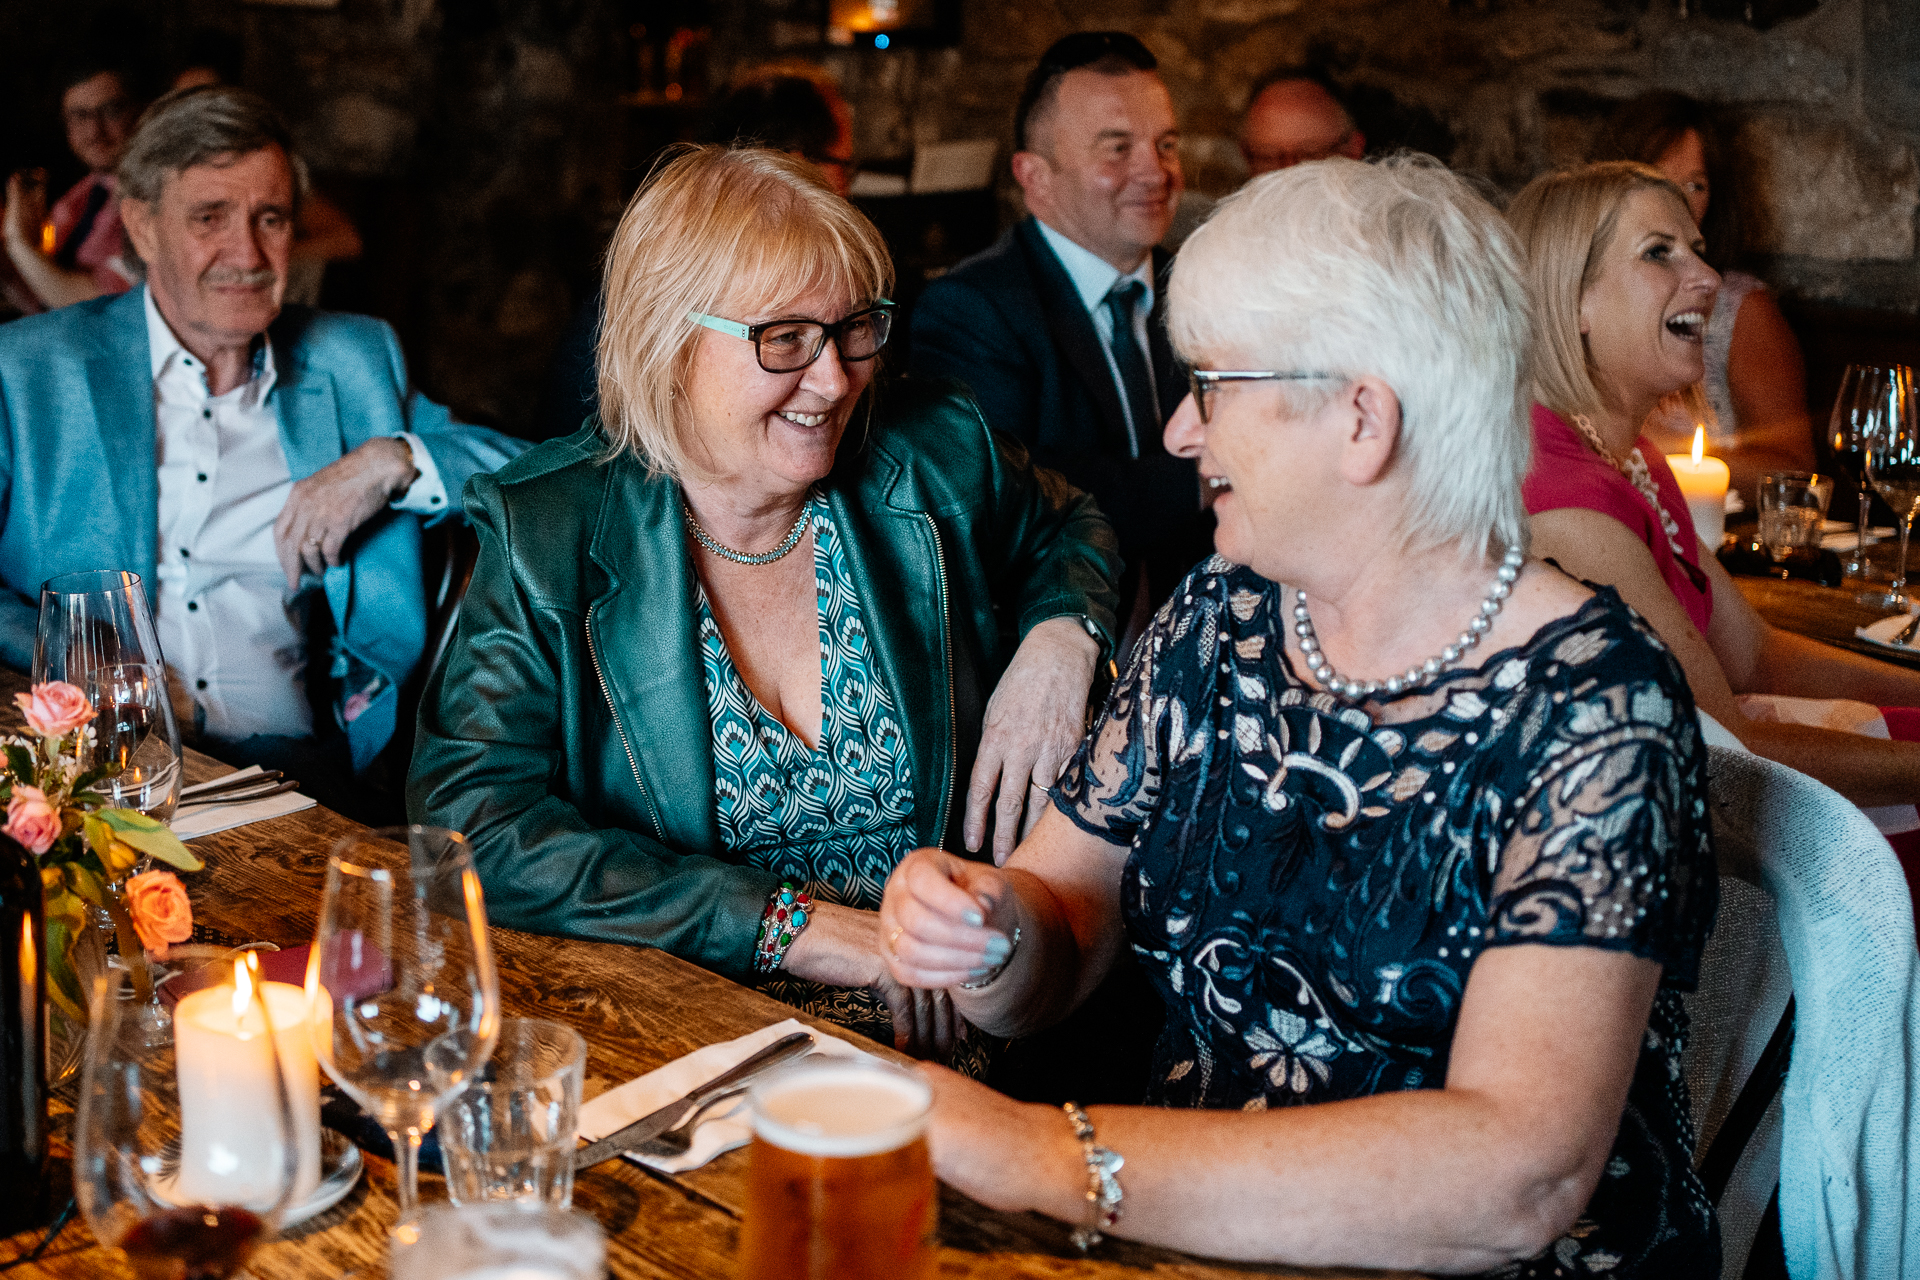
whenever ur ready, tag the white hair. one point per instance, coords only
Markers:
(1395, 269)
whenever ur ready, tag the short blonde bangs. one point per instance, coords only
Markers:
(1565, 222)
(726, 232)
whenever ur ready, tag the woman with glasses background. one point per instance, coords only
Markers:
(1409, 829)
(739, 644)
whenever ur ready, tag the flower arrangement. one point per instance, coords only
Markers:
(87, 848)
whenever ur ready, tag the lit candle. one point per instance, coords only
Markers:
(1704, 481)
(229, 1103)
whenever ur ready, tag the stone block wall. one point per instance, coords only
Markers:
(1824, 106)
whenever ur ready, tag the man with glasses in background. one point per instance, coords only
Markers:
(88, 255)
(1057, 328)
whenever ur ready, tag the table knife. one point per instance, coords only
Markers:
(624, 1140)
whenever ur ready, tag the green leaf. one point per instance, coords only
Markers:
(90, 777)
(94, 798)
(64, 989)
(150, 837)
(99, 835)
(87, 883)
(20, 762)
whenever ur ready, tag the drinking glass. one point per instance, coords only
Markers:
(840, 1182)
(186, 1152)
(1871, 399)
(1893, 464)
(1792, 505)
(406, 1001)
(96, 633)
(509, 1135)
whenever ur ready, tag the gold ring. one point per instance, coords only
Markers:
(893, 939)
(313, 542)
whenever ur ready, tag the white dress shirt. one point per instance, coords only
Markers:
(1094, 278)
(233, 635)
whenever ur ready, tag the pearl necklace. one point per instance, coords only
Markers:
(741, 557)
(1634, 468)
(1336, 683)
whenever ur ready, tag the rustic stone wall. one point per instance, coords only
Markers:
(484, 148)
(1826, 105)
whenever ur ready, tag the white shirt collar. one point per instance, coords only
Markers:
(164, 352)
(1093, 276)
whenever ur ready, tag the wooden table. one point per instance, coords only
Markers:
(1829, 614)
(637, 1009)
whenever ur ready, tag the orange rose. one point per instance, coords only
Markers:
(160, 910)
(54, 709)
(32, 820)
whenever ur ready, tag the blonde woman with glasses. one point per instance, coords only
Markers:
(737, 646)
(1409, 829)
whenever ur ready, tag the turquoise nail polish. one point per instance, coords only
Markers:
(978, 974)
(974, 918)
(998, 949)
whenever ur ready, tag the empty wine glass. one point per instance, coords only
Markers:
(1893, 464)
(401, 976)
(96, 633)
(186, 1152)
(1792, 505)
(1871, 399)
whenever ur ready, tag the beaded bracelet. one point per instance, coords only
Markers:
(1103, 1186)
(786, 915)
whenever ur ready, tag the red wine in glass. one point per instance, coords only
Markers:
(195, 1243)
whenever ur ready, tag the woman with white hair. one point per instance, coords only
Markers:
(1409, 830)
(728, 650)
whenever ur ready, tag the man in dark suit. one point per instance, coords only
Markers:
(1059, 328)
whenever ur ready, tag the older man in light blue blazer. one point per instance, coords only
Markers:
(235, 455)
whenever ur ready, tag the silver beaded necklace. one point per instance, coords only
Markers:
(741, 557)
(1333, 682)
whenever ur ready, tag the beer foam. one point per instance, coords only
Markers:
(841, 1111)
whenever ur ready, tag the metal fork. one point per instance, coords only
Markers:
(678, 1140)
(1905, 633)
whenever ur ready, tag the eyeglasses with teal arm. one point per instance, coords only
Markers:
(786, 346)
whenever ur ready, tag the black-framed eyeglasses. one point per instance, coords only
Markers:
(1203, 381)
(787, 346)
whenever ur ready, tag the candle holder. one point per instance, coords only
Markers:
(186, 1148)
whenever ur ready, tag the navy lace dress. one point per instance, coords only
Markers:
(1310, 883)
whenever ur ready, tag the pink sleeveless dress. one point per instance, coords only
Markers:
(1566, 473)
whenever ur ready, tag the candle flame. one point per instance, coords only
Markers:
(243, 976)
(1699, 444)
(48, 235)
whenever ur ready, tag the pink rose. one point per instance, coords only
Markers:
(54, 709)
(31, 820)
(160, 911)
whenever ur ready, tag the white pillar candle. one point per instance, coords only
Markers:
(229, 1131)
(1704, 481)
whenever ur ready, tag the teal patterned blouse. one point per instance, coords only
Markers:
(834, 819)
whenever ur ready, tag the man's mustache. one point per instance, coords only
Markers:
(249, 278)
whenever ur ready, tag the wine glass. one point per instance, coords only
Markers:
(1792, 505)
(186, 1152)
(406, 1001)
(96, 633)
(1871, 398)
(1893, 464)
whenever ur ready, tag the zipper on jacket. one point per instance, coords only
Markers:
(593, 653)
(946, 639)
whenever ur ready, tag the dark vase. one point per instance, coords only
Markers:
(23, 1025)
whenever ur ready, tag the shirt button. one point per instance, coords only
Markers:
(199, 684)
(193, 606)
(206, 413)
(202, 477)
(184, 553)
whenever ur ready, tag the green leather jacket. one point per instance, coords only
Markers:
(566, 733)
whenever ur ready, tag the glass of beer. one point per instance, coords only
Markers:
(839, 1184)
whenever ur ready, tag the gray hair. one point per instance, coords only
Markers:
(1395, 269)
(207, 124)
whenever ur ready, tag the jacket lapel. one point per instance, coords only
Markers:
(647, 658)
(1072, 328)
(1169, 379)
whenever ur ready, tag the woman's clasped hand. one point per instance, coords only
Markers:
(1408, 830)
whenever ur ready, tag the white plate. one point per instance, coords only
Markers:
(340, 1166)
(1882, 633)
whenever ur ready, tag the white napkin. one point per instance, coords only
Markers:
(726, 1126)
(1843, 715)
(1837, 535)
(205, 819)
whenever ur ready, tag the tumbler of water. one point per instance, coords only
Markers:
(510, 1134)
(1792, 505)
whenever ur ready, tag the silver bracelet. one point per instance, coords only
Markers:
(1103, 1186)
(994, 973)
